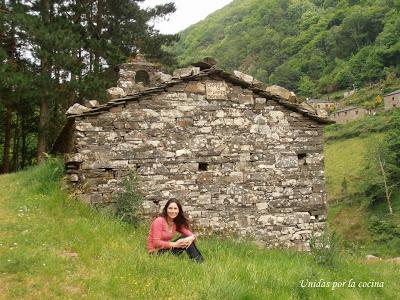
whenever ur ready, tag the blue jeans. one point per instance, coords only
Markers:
(192, 251)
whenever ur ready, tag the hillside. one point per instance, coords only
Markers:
(366, 227)
(306, 46)
(53, 247)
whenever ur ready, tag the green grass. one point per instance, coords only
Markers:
(40, 224)
(344, 159)
(365, 229)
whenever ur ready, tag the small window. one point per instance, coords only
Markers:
(142, 76)
(356, 112)
(393, 98)
(203, 166)
(301, 155)
(394, 105)
(302, 158)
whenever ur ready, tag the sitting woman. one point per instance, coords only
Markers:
(163, 228)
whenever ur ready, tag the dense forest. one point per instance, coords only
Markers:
(310, 46)
(54, 53)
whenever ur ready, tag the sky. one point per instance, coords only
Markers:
(188, 12)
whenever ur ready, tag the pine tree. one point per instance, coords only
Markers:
(55, 53)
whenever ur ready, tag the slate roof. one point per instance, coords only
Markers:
(392, 93)
(206, 70)
(320, 101)
(347, 109)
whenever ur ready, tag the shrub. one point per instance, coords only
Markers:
(129, 201)
(326, 248)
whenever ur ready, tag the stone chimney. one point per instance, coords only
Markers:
(137, 74)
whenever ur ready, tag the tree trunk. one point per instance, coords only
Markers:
(387, 192)
(43, 124)
(7, 141)
(44, 103)
(23, 143)
(15, 152)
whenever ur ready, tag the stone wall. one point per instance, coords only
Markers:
(240, 163)
(349, 114)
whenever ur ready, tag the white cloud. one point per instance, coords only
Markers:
(188, 12)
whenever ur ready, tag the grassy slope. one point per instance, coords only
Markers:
(368, 230)
(39, 223)
(343, 159)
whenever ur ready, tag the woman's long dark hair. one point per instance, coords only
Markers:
(180, 220)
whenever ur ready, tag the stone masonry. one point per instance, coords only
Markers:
(239, 159)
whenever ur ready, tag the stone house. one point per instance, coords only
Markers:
(392, 100)
(239, 158)
(327, 105)
(348, 114)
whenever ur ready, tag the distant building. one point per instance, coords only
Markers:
(348, 114)
(392, 100)
(322, 104)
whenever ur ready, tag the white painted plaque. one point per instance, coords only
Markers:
(216, 90)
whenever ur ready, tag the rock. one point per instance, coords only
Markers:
(127, 86)
(69, 254)
(259, 84)
(115, 93)
(279, 91)
(372, 258)
(77, 109)
(395, 260)
(126, 75)
(185, 72)
(74, 178)
(246, 99)
(244, 77)
(195, 87)
(322, 113)
(73, 158)
(308, 107)
(92, 104)
(162, 77)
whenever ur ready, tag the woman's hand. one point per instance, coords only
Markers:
(179, 244)
(189, 240)
(183, 243)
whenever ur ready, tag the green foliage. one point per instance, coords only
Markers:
(56, 53)
(381, 176)
(333, 43)
(326, 248)
(129, 200)
(385, 231)
(358, 207)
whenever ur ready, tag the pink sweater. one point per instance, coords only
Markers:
(159, 236)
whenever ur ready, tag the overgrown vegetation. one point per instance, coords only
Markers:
(52, 246)
(129, 200)
(326, 248)
(306, 46)
(363, 181)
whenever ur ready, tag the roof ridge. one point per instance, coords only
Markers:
(203, 73)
